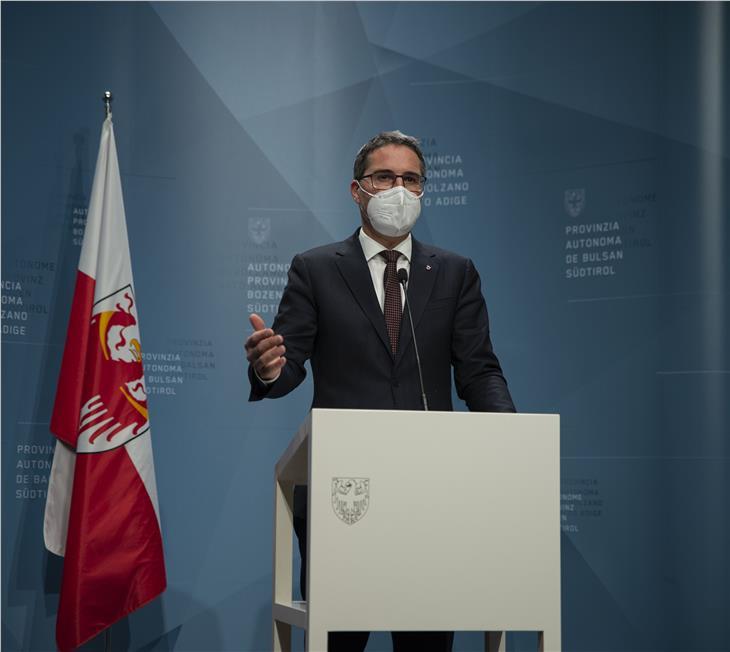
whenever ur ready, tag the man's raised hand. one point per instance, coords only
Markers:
(265, 350)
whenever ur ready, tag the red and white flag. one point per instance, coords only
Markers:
(101, 512)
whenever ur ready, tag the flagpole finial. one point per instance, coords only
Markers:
(107, 98)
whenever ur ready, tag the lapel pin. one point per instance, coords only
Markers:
(428, 267)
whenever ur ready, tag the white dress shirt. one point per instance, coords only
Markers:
(371, 248)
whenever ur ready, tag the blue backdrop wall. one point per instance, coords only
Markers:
(577, 152)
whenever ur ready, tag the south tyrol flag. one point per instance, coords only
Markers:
(102, 513)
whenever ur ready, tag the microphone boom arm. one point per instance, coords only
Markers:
(403, 279)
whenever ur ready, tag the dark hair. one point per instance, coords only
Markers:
(382, 139)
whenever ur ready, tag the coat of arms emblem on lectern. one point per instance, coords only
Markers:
(350, 498)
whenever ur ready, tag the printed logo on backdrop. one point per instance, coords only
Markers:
(78, 224)
(581, 504)
(258, 270)
(591, 248)
(115, 409)
(597, 249)
(26, 297)
(259, 229)
(186, 359)
(14, 313)
(32, 465)
(446, 182)
(574, 201)
(350, 498)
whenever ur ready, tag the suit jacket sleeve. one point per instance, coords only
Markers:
(477, 373)
(296, 321)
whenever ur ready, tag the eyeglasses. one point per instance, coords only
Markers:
(386, 180)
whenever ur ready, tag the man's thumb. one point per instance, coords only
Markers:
(256, 321)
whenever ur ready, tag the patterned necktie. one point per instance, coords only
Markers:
(392, 308)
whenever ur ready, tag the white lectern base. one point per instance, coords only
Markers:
(422, 521)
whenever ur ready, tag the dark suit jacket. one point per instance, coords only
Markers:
(329, 314)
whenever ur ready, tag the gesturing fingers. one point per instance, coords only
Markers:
(271, 352)
(265, 349)
(258, 337)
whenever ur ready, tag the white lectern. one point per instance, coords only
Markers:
(422, 521)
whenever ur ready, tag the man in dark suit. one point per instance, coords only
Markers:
(342, 310)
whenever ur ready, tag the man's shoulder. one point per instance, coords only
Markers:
(445, 255)
(327, 250)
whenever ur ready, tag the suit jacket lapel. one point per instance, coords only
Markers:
(354, 269)
(421, 279)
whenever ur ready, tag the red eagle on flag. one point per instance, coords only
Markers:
(102, 513)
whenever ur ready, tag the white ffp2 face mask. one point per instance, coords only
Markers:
(393, 212)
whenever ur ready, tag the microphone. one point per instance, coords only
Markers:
(403, 279)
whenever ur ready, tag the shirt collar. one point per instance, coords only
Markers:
(372, 248)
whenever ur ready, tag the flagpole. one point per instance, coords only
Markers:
(107, 99)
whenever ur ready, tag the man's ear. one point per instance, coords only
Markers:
(354, 192)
